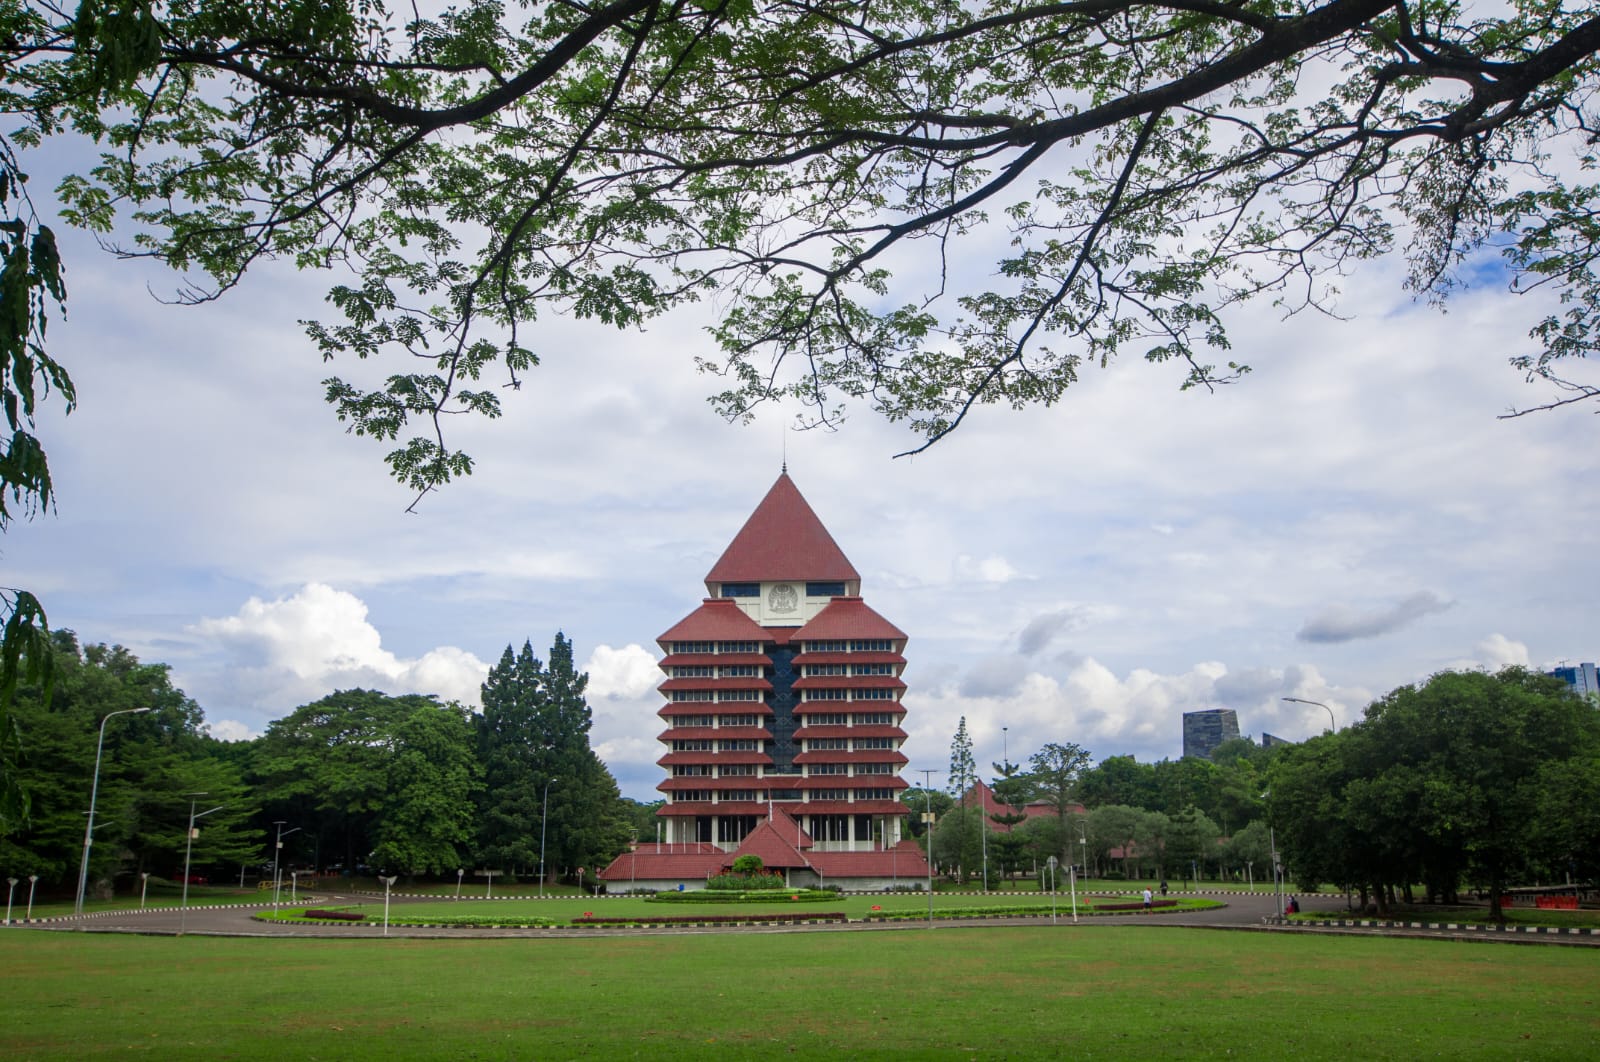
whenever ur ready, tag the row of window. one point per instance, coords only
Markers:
(721, 696)
(715, 647)
(817, 769)
(846, 744)
(848, 719)
(748, 770)
(848, 669)
(707, 671)
(851, 695)
(725, 770)
(754, 589)
(753, 745)
(715, 720)
(858, 645)
(692, 796)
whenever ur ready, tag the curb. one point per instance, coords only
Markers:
(1458, 927)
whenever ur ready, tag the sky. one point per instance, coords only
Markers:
(1349, 518)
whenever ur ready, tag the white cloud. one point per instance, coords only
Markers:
(230, 730)
(627, 673)
(290, 650)
(987, 570)
(1139, 713)
(1493, 653)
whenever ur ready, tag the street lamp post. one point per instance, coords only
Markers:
(277, 863)
(12, 882)
(983, 837)
(927, 818)
(188, 850)
(144, 888)
(33, 880)
(94, 791)
(1072, 880)
(544, 821)
(386, 883)
(1083, 845)
(461, 872)
(1050, 864)
(1333, 727)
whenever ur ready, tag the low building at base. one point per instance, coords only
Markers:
(784, 849)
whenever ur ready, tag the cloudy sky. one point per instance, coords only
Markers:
(1351, 517)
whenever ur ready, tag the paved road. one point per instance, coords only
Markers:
(1242, 910)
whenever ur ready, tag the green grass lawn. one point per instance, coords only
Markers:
(856, 907)
(982, 992)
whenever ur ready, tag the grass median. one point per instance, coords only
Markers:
(899, 906)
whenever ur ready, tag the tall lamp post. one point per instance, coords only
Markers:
(94, 791)
(1333, 727)
(1272, 843)
(927, 818)
(277, 862)
(188, 850)
(544, 820)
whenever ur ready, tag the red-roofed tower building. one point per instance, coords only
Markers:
(783, 694)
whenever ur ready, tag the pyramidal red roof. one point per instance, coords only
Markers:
(783, 539)
(776, 850)
(845, 618)
(718, 619)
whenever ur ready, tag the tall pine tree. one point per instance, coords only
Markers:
(534, 737)
(516, 762)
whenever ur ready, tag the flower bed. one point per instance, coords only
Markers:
(335, 916)
(1136, 905)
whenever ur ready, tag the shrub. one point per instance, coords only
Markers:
(737, 882)
(678, 920)
(336, 916)
(746, 896)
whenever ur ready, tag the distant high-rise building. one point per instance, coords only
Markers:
(1272, 740)
(1581, 677)
(1203, 731)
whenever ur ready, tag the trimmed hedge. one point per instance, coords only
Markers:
(335, 916)
(679, 920)
(748, 896)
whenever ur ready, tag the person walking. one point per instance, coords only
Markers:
(1147, 899)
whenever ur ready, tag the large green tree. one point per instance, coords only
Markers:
(372, 779)
(1442, 783)
(152, 762)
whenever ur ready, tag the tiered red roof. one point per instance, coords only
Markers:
(845, 618)
(782, 540)
(981, 795)
(904, 860)
(718, 619)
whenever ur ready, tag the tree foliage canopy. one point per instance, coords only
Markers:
(817, 167)
(1445, 783)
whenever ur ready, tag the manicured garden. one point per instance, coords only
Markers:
(785, 906)
(980, 992)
